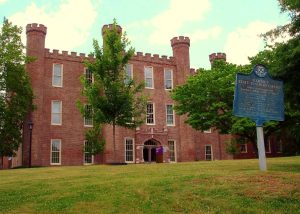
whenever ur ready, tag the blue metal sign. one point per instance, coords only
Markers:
(258, 96)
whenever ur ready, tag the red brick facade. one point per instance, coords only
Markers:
(189, 144)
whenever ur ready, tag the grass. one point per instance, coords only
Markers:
(197, 187)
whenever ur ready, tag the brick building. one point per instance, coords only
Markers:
(58, 134)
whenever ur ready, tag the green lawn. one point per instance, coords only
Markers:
(199, 187)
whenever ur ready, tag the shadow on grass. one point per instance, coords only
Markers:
(286, 168)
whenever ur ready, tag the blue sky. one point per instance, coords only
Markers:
(230, 26)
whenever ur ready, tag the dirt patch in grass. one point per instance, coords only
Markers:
(262, 186)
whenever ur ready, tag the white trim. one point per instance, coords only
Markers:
(130, 65)
(172, 114)
(84, 71)
(133, 149)
(84, 163)
(152, 77)
(175, 150)
(56, 124)
(61, 75)
(208, 131)
(84, 119)
(211, 149)
(59, 152)
(153, 106)
(169, 69)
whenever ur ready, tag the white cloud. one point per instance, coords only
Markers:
(67, 27)
(170, 22)
(245, 42)
(211, 33)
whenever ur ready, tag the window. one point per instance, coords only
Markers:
(268, 146)
(208, 131)
(128, 73)
(279, 146)
(88, 118)
(56, 113)
(172, 150)
(55, 152)
(88, 157)
(88, 76)
(150, 114)
(170, 115)
(168, 79)
(57, 75)
(129, 150)
(149, 77)
(243, 148)
(208, 152)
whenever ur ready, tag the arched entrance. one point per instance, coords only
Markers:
(149, 151)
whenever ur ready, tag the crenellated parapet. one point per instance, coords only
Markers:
(36, 27)
(181, 40)
(65, 55)
(110, 27)
(217, 56)
(153, 58)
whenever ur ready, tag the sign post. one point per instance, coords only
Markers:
(260, 98)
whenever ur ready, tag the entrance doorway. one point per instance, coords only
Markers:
(149, 151)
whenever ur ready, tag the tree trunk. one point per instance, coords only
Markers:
(114, 140)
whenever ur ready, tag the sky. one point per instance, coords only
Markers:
(229, 26)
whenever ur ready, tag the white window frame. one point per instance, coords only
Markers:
(165, 80)
(246, 148)
(173, 115)
(56, 124)
(268, 145)
(208, 131)
(84, 153)
(61, 75)
(125, 149)
(52, 140)
(152, 79)
(87, 119)
(175, 150)
(153, 107)
(127, 78)
(85, 69)
(211, 149)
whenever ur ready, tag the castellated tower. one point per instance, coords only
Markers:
(110, 27)
(217, 56)
(181, 53)
(35, 47)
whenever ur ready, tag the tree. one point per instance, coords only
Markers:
(120, 102)
(283, 61)
(207, 99)
(15, 88)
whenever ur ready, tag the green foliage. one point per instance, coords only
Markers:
(283, 61)
(231, 147)
(15, 90)
(207, 99)
(114, 101)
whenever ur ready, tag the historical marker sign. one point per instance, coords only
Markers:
(258, 97)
